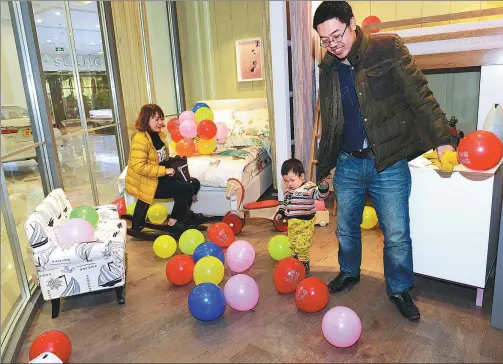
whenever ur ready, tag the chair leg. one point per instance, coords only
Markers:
(120, 297)
(56, 303)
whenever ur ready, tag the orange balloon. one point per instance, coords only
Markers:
(312, 295)
(53, 341)
(221, 234)
(185, 147)
(180, 269)
(480, 150)
(288, 273)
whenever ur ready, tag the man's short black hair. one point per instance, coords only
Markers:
(332, 10)
(292, 165)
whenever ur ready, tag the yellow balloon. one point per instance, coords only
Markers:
(190, 240)
(369, 218)
(206, 146)
(208, 269)
(172, 144)
(157, 213)
(164, 246)
(130, 208)
(204, 113)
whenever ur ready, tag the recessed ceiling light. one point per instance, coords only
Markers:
(99, 53)
(48, 41)
(92, 43)
(97, 26)
(39, 21)
(57, 12)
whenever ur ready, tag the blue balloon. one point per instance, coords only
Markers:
(208, 249)
(199, 105)
(207, 301)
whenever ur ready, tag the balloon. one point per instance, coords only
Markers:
(187, 115)
(208, 269)
(87, 213)
(199, 105)
(287, 275)
(369, 218)
(480, 150)
(341, 327)
(120, 202)
(157, 213)
(319, 205)
(312, 295)
(54, 342)
(240, 256)
(372, 19)
(208, 249)
(206, 146)
(206, 302)
(180, 269)
(172, 144)
(204, 113)
(173, 124)
(130, 208)
(241, 292)
(207, 129)
(188, 129)
(279, 248)
(164, 246)
(175, 135)
(221, 234)
(185, 147)
(190, 240)
(221, 132)
(73, 231)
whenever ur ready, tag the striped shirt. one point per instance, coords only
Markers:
(299, 203)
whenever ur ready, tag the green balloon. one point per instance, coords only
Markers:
(190, 240)
(279, 247)
(86, 212)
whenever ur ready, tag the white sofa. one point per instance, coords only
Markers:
(79, 268)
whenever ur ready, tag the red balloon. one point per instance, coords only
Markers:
(221, 234)
(312, 295)
(180, 269)
(54, 342)
(207, 129)
(288, 273)
(173, 124)
(120, 202)
(185, 147)
(175, 135)
(372, 19)
(480, 150)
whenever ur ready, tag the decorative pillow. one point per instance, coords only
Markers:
(223, 116)
(251, 123)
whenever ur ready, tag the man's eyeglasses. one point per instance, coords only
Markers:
(325, 42)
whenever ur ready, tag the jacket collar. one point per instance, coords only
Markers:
(354, 56)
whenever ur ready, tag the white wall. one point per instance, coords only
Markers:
(162, 64)
(491, 86)
(12, 89)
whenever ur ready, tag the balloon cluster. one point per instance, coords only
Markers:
(196, 128)
(79, 228)
(341, 326)
(203, 262)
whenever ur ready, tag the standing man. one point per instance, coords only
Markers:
(376, 111)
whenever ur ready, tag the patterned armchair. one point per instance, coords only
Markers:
(65, 271)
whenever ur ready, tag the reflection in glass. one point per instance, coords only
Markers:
(11, 287)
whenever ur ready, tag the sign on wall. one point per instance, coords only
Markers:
(63, 62)
(249, 59)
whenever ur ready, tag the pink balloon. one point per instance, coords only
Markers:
(241, 292)
(187, 115)
(240, 256)
(319, 205)
(74, 231)
(341, 327)
(188, 129)
(221, 132)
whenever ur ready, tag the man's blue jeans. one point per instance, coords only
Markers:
(390, 191)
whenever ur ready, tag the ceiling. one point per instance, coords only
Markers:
(52, 31)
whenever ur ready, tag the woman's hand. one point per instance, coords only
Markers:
(170, 171)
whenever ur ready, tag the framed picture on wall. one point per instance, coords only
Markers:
(249, 59)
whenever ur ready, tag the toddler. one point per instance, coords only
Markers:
(298, 208)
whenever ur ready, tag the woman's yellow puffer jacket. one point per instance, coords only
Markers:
(143, 170)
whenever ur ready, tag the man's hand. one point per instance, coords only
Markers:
(170, 171)
(443, 148)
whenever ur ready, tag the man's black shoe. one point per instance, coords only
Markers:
(406, 306)
(341, 282)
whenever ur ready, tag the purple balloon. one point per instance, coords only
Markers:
(240, 256)
(341, 327)
(76, 230)
(188, 129)
(241, 292)
(187, 115)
